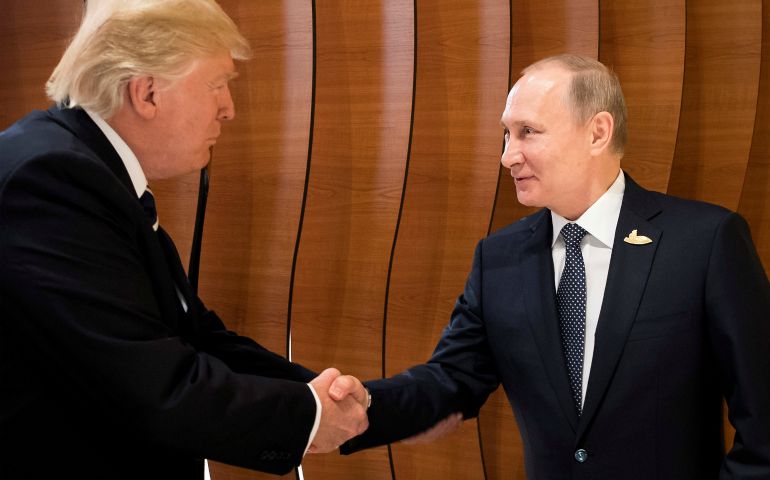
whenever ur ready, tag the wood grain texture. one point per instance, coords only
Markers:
(363, 104)
(538, 29)
(462, 77)
(719, 100)
(755, 196)
(643, 42)
(697, 81)
(33, 36)
(257, 181)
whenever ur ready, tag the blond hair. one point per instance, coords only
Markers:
(122, 39)
(593, 88)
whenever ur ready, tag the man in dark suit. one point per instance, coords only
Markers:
(110, 366)
(617, 319)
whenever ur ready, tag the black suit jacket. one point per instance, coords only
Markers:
(685, 321)
(102, 373)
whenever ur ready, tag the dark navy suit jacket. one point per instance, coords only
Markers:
(685, 322)
(102, 373)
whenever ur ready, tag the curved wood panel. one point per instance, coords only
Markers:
(462, 78)
(755, 197)
(643, 41)
(257, 181)
(363, 104)
(538, 29)
(719, 100)
(33, 36)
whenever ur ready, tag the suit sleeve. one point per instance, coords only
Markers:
(738, 311)
(244, 355)
(77, 281)
(459, 376)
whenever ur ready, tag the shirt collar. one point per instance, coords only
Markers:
(138, 179)
(601, 218)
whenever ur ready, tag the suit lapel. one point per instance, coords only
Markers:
(626, 281)
(540, 297)
(80, 124)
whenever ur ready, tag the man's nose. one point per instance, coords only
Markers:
(511, 154)
(226, 107)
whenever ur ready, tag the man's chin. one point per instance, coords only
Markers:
(527, 199)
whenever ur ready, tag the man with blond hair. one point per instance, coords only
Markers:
(110, 366)
(617, 319)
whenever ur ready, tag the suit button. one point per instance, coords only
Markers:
(581, 455)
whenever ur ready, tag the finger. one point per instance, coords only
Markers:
(345, 385)
(341, 387)
(322, 381)
(329, 374)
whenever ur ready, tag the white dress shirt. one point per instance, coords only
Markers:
(139, 182)
(600, 221)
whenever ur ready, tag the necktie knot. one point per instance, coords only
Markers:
(148, 204)
(572, 233)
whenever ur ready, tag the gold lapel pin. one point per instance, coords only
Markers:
(635, 239)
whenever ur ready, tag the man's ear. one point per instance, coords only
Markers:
(601, 125)
(143, 96)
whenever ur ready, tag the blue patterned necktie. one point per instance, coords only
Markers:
(571, 303)
(148, 203)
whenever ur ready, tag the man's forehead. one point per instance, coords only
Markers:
(541, 81)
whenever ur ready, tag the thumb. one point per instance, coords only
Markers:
(348, 385)
(341, 387)
(325, 379)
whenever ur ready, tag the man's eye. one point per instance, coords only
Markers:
(527, 130)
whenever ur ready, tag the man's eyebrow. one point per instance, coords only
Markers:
(515, 123)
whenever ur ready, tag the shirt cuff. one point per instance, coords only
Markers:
(317, 421)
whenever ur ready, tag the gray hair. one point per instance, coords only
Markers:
(594, 88)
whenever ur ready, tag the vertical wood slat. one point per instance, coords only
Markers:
(33, 36)
(755, 197)
(719, 100)
(363, 102)
(644, 42)
(538, 29)
(462, 75)
(257, 181)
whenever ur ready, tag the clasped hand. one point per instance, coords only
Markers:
(343, 410)
(344, 401)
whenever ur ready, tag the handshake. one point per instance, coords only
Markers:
(344, 401)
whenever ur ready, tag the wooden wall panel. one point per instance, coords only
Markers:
(33, 36)
(755, 197)
(538, 29)
(257, 181)
(363, 104)
(719, 100)
(643, 42)
(699, 105)
(462, 77)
